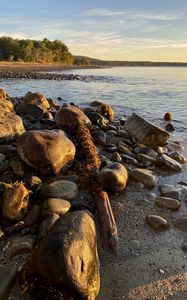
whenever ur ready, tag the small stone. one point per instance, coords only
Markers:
(113, 177)
(135, 244)
(99, 137)
(169, 203)
(147, 177)
(55, 206)
(111, 132)
(143, 157)
(123, 149)
(157, 222)
(169, 127)
(20, 245)
(161, 271)
(46, 225)
(111, 127)
(34, 183)
(123, 121)
(164, 161)
(7, 280)
(162, 150)
(129, 159)
(110, 148)
(116, 157)
(168, 116)
(18, 167)
(123, 133)
(2, 157)
(62, 189)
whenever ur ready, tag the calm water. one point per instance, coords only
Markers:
(148, 91)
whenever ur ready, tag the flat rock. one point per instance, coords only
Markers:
(129, 159)
(147, 177)
(55, 206)
(169, 163)
(158, 222)
(176, 191)
(51, 150)
(145, 131)
(70, 253)
(62, 189)
(7, 280)
(143, 157)
(113, 177)
(169, 203)
(10, 125)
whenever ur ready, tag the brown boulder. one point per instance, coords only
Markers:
(10, 124)
(47, 151)
(6, 104)
(3, 93)
(70, 116)
(37, 99)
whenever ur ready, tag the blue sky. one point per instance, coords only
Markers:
(122, 30)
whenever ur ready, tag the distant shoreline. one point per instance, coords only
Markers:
(43, 67)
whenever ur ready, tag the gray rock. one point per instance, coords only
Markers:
(113, 177)
(123, 149)
(147, 177)
(70, 253)
(146, 132)
(111, 132)
(169, 127)
(111, 127)
(177, 191)
(143, 157)
(164, 161)
(7, 280)
(51, 150)
(55, 206)
(2, 157)
(129, 159)
(99, 137)
(62, 189)
(169, 203)
(158, 222)
(123, 133)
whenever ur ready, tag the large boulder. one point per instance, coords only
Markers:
(70, 116)
(67, 259)
(113, 177)
(46, 150)
(37, 99)
(32, 110)
(10, 124)
(146, 132)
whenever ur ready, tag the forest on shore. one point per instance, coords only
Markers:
(46, 51)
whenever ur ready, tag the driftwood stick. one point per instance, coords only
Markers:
(107, 221)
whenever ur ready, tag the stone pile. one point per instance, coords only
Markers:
(41, 189)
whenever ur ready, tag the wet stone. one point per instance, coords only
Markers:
(123, 149)
(169, 127)
(158, 222)
(7, 280)
(99, 137)
(110, 148)
(129, 159)
(169, 203)
(111, 133)
(168, 162)
(147, 177)
(55, 206)
(177, 191)
(123, 133)
(143, 157)
(116, 157)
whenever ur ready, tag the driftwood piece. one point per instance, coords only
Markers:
(107, 221)
(87, 169)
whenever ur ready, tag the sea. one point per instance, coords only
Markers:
(148, 91)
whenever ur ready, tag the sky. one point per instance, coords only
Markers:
(154, 30)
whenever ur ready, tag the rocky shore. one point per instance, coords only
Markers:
(93, 206)
(14, 74)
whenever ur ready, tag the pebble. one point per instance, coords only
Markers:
(167, 162)
(157, 222)
(111, 132)
(147, 177)
(63, 189)
(123, 149)
(116, 157)
(123, 133)
(143, 157)
(176, 191)
(55, 206)
(169, 203)
(2, 157)
(169, 127)
(129, 159)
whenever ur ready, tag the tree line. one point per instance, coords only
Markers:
(39, 51)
